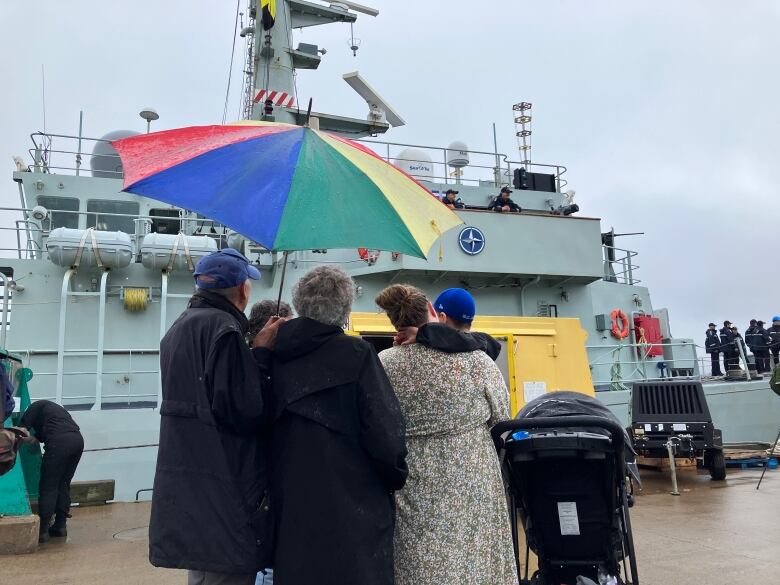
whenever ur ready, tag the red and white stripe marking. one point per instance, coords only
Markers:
(278, 98)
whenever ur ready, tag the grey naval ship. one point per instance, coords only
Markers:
(553, 285)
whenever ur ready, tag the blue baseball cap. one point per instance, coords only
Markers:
(456, 303)
(776, 318)
(224, 269)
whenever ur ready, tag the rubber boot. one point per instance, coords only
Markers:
(59, 528)
(43, 530)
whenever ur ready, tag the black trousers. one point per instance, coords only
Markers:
(60, 459)
(715, 357)
(730, 360)
(776, 354)
(762, 360)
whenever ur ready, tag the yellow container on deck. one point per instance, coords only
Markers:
(539, 354)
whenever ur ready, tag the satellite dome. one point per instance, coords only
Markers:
(416, 163)
(458, 154)
(104, 161)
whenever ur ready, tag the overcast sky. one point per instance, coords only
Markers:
(665, 113)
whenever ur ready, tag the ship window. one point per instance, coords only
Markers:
(165, 221)
(58, 206)
(112, 223)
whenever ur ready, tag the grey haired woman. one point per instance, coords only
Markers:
(337, 450)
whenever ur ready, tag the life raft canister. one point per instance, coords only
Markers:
(619, 324)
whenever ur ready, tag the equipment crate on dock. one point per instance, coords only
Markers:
(674, 416)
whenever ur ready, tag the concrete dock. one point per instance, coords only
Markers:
(714, 533)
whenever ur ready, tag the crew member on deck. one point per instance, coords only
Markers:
(761, 351)
(451, 199)
(63, 444)
(712, 345)
(750, 338)
(727, 346)
(774, 334)
(503, 203)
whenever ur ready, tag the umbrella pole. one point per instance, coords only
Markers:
(281, 284)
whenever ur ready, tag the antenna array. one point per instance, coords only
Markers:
(522, 115)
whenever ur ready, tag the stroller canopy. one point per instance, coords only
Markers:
(564, 403)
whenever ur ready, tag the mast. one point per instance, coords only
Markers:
(272, 63)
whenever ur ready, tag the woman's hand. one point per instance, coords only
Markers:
(405, 336)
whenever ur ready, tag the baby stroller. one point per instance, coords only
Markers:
(564, 460)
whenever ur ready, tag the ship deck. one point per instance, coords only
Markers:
(714, 534)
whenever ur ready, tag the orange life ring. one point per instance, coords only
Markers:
(619, 330)
(370, 256)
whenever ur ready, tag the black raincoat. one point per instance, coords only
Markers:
(445, 338)
(337, 454)
(209, 504)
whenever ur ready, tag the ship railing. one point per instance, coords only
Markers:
(640, 368)
(619, 265)
(68, 155)
(30, 233)
(31, 357)
(491, 169)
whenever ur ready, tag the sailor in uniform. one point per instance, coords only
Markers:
(712, 345)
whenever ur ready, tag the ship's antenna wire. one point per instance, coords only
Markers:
(230, 70)
(295, 71)
(43, 96)
(243, 77)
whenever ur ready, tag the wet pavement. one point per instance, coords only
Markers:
(714, 533)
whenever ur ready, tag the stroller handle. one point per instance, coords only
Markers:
(548, 422)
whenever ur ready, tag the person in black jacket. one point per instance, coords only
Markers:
(728, 347)
(774, 334)
(712, 346)
(210, 505)
(751, 339)
(503, 203)
(761, 350)
(338, 449)
(452, 200)
(53, 426)
(456, 309)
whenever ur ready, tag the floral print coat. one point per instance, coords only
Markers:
(452, 525)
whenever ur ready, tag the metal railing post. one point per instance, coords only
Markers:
(61, 337)
(163, 322)
(4, 332)
(100, 342)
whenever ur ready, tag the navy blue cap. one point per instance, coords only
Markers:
(224, 269)
(456, 303)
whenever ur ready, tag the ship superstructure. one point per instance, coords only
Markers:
(98, 275)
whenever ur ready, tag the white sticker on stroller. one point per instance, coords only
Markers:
(567, 515)
(532, 390)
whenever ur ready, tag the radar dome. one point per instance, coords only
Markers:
(458, 154)
(104, 161)
(416, 163)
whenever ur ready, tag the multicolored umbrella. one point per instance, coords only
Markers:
(286, 187)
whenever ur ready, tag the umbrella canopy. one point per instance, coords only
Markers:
(286, 187)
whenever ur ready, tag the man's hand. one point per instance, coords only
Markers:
(266, 337)
(505, 208)
(405, 336)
